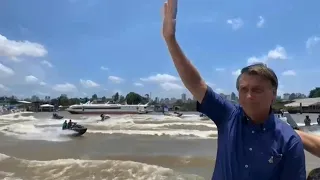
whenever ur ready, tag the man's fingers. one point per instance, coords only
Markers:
(172, 8)
(165, 9)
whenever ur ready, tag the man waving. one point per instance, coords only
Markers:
(252, 142)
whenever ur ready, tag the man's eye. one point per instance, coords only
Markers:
(257, 90)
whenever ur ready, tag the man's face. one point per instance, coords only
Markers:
(255, 94)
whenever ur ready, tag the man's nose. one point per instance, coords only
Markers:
(249, 95)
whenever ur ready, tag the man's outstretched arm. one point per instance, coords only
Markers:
(310, 142)
(187, 72)
(211, 104)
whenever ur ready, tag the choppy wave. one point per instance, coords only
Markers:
(189, 126)
(140, 125)
(86, 169)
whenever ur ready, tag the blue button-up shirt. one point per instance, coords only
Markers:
(269, 151)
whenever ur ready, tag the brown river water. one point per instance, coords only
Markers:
(124, 147)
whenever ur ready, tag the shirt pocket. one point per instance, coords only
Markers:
(267, 162)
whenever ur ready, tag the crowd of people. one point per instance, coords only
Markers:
(307, 120)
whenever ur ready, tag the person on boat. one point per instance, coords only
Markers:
(318, 120)
(102, 117)
(242, 128)
(307, 121)
(65, 125)
(70, 124)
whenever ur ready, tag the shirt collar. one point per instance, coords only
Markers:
(266, 125)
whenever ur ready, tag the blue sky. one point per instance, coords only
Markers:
(81, 47)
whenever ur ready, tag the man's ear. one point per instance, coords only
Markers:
(274, 96)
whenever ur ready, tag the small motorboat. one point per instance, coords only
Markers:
(56, 116)
(104, 117)
(175, 114)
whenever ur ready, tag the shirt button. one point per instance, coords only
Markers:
(246, 166)
(264, 129)
(250, 149)
(252, 132)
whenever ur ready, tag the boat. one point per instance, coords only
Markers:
(56, 116)
(104, 117)
(289, 120)
(78, 128)
(108, 108)
(175, 114)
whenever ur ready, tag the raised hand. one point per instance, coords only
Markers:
(169, 19)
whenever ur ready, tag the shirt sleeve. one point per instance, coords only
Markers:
(294, 166)
(217, 108)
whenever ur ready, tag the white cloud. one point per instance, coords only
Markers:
(89, 83)
(166, 81)
(5, 71)
(210, 84)
(312, 41)
(3, 88)
(65, 88)
(168, 86)
(220, 69)
(237, 72)
(235, 23)
(104, 68)
(41, 93)
(219, 90)
(261, 22)
(42, 83)
(47, 63)
(278, 52)
(289, 73)
(115, 79)
(160, 78)
(14, 49)
(31, 79)
(138, 84)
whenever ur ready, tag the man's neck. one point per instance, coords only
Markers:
(261, 118)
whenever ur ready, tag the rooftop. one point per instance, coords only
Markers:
(304, 102)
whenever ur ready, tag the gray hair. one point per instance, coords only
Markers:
(260, 69)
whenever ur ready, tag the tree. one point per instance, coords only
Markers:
(63, 100)
(122, 99)
(115, 97)
(314, 92)
(134, 98)
(94, 97)
(292, 96)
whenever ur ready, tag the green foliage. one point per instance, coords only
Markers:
(134, 98)
(314, 93)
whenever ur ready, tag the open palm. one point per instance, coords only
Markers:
(169, 19)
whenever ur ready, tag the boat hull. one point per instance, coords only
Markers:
(80, 131)
(59, 117)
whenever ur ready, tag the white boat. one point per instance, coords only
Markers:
(107, 108)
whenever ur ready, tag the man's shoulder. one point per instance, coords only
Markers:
(286, 133)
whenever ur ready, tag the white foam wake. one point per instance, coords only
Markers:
(92, 169)
(172, 133)
(31, 132)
